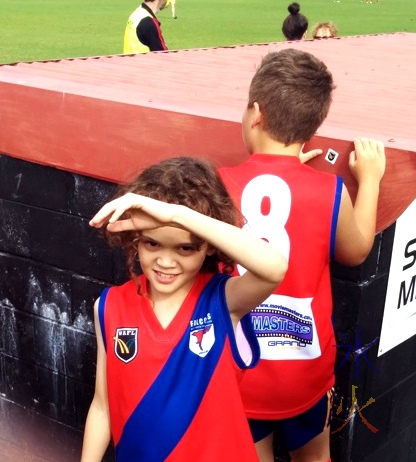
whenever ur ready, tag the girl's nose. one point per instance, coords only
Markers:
(165, 259)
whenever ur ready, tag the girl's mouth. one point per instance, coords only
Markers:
(164, 277)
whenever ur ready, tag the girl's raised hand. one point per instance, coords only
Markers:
(143, 213)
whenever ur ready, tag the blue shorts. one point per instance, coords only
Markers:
(298, 430)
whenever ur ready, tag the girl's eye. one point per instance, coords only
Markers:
(150, 244)
(186, 249)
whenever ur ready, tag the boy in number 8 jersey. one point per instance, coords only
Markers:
(310, 216)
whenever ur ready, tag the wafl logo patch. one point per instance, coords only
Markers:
(201, 336)
(125, 343)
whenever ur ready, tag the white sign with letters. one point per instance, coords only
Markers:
(399, 319)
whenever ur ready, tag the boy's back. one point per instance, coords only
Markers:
(290, 204)
(310, 217)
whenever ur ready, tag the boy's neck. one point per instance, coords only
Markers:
(276, 148)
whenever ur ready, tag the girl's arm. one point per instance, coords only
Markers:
(97, 428)
(265, 265)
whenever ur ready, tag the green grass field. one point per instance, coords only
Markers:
(52, 29)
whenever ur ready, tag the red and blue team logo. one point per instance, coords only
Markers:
(125, 343)
(202, 335)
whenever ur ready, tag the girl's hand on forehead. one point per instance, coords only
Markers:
(143, 213)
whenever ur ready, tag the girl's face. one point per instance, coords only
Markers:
(171, 260)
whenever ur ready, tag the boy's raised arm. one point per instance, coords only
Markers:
(357, 223)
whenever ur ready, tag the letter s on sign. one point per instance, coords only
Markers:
(410, 254)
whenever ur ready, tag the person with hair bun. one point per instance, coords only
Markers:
(296, 24)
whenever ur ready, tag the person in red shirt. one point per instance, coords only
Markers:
(309, 215)
(168, 364)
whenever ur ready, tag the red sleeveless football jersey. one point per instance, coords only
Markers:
(173, 393)
(295, 208)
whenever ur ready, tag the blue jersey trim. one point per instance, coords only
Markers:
(166, 411)
(247, 326)
(101, 309)
(248, 330)
(335, 214)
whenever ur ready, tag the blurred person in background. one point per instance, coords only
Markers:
(173, 8)
(324, 30)
(143, 32)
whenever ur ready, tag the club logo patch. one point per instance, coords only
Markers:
(331, 156)
(125, 343)
(202, 335)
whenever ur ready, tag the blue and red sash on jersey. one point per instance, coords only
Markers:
(167, 409)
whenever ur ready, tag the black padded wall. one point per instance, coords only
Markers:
(53, 266)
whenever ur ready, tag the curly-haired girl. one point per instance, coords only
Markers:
(167, 361)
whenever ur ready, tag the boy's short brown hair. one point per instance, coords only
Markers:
(294, 92)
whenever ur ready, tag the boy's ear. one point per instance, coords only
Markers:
(257, 116)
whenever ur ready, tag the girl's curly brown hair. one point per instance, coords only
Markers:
(186, 181)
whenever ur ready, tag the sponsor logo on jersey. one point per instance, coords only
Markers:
(201, 335)
(125, 343)
(285, 328)
(279, 321)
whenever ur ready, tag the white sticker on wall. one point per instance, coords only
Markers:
(331, 156)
